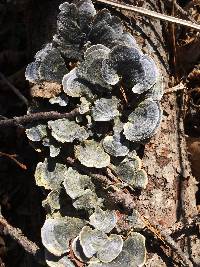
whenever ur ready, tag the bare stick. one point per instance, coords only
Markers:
(14, 89)
(50, 115)
(13, 157)
(152, 14)
(22, 240)
(181, 10)
(53, 115)
(176, 88)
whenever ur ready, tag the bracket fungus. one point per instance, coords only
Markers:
(81, 189)
(73, 25)
(48, 66)
(114, 144)
(74, 87)
(90, 69)
(143, 121)
(36, 133)
(106, 29)
(49, 175)
(91, 154)
(103, 221)
(130, 172)
(134, 247)
(87, 201)
(114, 147)
(91, 241)
(56, 233)
(64, 130)
(95, 66)
(133, 253)
(111, 249)
(95, 242)
(76, 184)
(105, 109)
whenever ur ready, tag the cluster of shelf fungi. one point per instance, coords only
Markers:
(95, 66)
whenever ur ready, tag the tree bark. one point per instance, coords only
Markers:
(170, 195)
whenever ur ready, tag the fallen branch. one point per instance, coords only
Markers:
(50, 115)
(13, 157)
(126, 199)
(22, 240)
(180, 9)
(152, 14)
(14, 89)
(53, 115)
(176, 88)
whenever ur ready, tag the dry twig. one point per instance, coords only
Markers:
(14, 89)
(13, 157)
(22, 240)
(50, 115)
(184, 13)
(152, 14)
(176, 88)
(53, 115)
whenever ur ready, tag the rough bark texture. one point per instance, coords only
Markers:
(170, 194)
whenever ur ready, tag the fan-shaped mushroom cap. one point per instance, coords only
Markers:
(87, 201)
(148, 76)
(56, 233)
(123, 61)
(90, 68)
(73, 86)
(111, 249)
(91, 240)
(105, 109)
(103, 221)
(48, 175)
(54, 261)
(48, 66)
(105, 28)
(129, 170)
(133, 253)
(113, 146)
(76, 184)
(91, 154)
(64, 130)
(36, 132)
(143, 121)
(86, 13)
(126, 61)
(96, 242)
